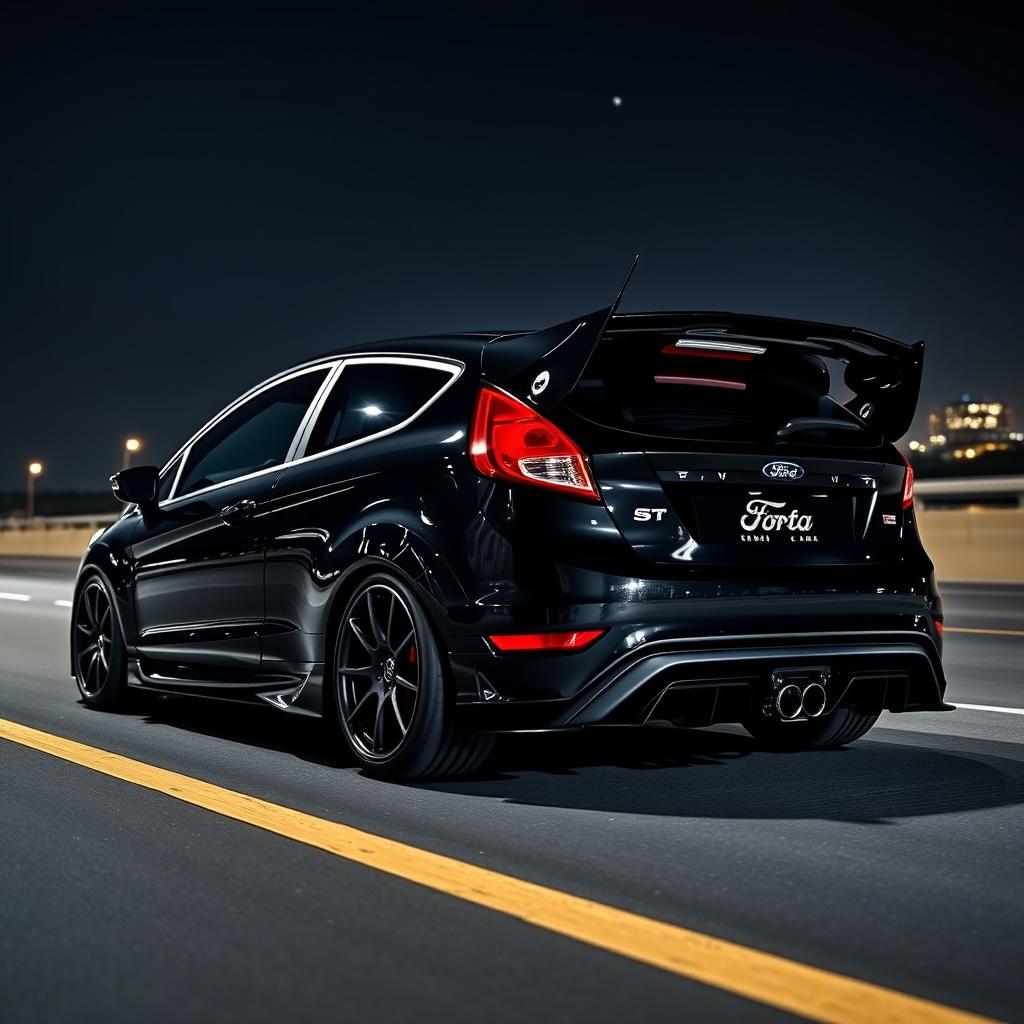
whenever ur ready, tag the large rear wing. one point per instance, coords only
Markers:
(884, 375)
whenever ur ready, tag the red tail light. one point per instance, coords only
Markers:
(546, 641)
(511, 441)
(939, 627)
(908, 484)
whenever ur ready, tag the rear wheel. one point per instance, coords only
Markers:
(389, 689)
(843, 726)
(98, 648)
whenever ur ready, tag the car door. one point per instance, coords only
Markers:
(199, 567)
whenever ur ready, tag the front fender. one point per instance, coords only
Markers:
(106, 556)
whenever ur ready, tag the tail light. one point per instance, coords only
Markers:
(574, 641)
(908, 484)
(511, 441)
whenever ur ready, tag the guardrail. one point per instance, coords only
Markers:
(95, 520)
(962, 490)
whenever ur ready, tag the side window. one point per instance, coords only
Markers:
(369, 398)
(255, 436)
(167, 480)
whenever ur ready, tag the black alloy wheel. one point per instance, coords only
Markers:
(378, 673)
(98, 647)
(390, 689)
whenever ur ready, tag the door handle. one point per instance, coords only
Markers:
(244, 509)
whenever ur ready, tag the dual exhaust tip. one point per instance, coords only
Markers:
(793, 701)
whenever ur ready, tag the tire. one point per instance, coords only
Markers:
(389, 689)
(842, 726)
(98, 650)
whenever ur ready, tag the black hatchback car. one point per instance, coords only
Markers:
(623, 520)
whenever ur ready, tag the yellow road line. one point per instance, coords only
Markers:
(984, 632)
(763, 977)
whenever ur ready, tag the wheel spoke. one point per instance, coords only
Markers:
(103, 660)
(93, 664)
(366, 670)
(359, 635)
(408, 684)
(398, 714)
(374, 624)
(400, 649)
(359, 706)
(378, 726)
(90, 622)
(391, 616)
(105, 618)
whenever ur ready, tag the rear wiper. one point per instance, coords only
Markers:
(805, 423)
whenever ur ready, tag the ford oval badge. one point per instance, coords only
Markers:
(783, 471)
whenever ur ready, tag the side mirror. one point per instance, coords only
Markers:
(138, 485)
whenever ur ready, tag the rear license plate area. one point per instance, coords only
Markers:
(775, 519)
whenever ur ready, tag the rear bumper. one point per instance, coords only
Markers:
(704, 681)
(704, 661)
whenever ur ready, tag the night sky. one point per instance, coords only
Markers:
(195, 197)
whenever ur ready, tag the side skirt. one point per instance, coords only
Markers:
(296, 689)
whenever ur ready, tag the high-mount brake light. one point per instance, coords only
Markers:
(724, 348)
(908, 483)
(701, 382)
(573, 641)
(704, 352)
(511, 441)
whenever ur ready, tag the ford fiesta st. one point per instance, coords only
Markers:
(623, 520)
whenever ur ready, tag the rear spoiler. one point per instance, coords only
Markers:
(884, 374)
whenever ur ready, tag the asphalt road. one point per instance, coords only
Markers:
(897, 861)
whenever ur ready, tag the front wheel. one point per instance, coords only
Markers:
(389, 689)
(98, 648)
(843, 726)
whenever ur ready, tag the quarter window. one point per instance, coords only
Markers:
(255, 436)
(371, 397)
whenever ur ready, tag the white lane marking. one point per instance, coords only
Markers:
(14, 597)
(62, 604)
(990, 707)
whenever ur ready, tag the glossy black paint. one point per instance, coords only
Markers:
(234, 591)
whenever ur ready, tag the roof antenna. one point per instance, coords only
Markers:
(625, 283)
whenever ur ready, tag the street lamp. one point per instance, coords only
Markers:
(34, 469)
(131, 446)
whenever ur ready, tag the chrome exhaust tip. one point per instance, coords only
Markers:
(789, 701)
(813, 700)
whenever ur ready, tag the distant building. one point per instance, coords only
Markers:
(969, 429)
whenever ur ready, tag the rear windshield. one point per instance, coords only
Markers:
(647, 386)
